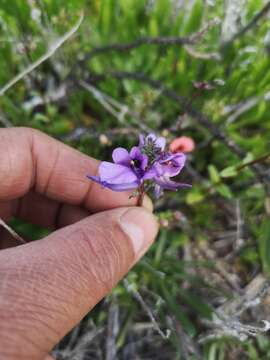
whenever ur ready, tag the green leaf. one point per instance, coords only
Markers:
(230, 171)
(248, 158)
(194, 302)
(195, 17)
(194, 196)
(225, 191)
(177, 311)
(213, 351)
(213, 173)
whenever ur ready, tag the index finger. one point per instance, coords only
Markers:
(32, 160)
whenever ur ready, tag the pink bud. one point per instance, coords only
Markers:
(183, 144)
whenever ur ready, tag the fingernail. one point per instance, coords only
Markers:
(141, 227)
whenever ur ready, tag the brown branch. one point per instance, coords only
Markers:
(255, 161)
(124, 47)
(160, 41)
(157, 41)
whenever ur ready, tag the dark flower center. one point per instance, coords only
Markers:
(136, 163)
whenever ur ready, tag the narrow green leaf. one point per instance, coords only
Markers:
(228, 172)
(213, 173)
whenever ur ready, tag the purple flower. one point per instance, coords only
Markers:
(165, 183)
(152, 140)
(127, 172)
(170, 164)
(147, 165)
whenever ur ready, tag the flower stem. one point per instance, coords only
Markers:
(141, 195)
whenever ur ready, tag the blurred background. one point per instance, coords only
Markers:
(95, 74)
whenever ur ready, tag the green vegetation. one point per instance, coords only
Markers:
(215, 237)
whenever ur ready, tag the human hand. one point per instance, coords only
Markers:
(47, 286)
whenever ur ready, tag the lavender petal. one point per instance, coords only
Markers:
(116, 174)
(141, 141)
(170, 165)
(136, 154)
(161, 143)
(149, 174)
(121, 156)
(121, 187)
(114, 187)
(167, 184)
(158, 191)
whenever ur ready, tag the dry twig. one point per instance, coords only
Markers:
(148, 311)
(114, 107)
(12, 232)
(225, 321)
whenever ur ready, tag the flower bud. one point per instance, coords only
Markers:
(183, 144)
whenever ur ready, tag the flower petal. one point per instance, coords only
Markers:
(144, 161)
(121, 187)
(161, 143)
(171, 164)
(114, 187)
(121, 156)
(94, 178)
(136, 154)
(166, 183)
(151, 137)
(149, 174)
(116, 173)
(178, 159)
(141, 140)
(158, 191)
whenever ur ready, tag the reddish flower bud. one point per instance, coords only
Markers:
(183, 144)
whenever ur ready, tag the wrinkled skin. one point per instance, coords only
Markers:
(47, 286)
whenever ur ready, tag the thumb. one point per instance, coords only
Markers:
(47, 286)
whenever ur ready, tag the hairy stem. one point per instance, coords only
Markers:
(141, 195)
